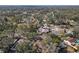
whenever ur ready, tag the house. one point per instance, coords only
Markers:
(43, 29)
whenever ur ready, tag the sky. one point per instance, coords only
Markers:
(39, 2)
